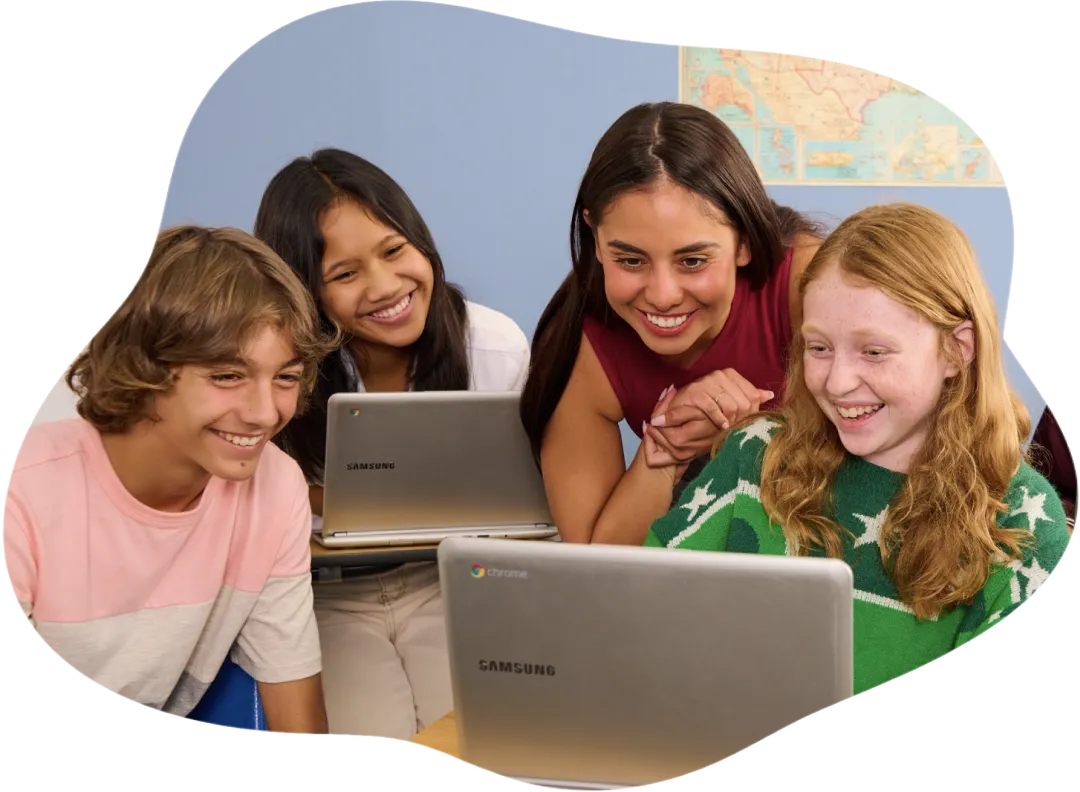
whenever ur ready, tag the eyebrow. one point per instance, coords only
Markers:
(861, 332)
(338, 264)
(696, 247)
(239, 362)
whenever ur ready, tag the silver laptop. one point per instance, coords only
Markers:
(594, 667)
(415, 468)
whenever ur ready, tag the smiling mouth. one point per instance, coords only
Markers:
(667, 321)
(394, 310)
(856, 412)
(241, 441)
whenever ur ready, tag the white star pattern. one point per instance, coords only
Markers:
(1035, 575)
(744, 488)
(1014, 584)
(1032, 507)
(761, 429)
(873, 527)
(702, 497)
(886, 602)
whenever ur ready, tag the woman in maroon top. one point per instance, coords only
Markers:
(676, 317)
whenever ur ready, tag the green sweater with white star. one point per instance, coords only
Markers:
(721, 510)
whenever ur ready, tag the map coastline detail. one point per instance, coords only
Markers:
(811, 121)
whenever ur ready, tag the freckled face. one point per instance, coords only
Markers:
(875, 368)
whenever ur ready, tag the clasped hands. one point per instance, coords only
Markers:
(685, 423)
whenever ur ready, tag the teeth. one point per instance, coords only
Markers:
(393, 310)
(855, 412)
(667, 321)
(239, 440)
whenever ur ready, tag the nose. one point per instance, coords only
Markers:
(843, 377)
(260, 408)
(383, 283)
(663, 290)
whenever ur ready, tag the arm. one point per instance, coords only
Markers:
(592, 496)
(315, 498)
(295, 706)
(278, 645)
(20, 555)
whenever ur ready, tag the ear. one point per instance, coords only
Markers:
(585, 217)
(742, 255)
(964, 339)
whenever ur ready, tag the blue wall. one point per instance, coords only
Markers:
(488, 123)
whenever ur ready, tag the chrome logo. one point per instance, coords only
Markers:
(354, 411)
(478, 571)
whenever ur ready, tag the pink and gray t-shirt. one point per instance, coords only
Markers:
(149, 603)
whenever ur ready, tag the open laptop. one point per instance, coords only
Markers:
(595, 667)
(415, 468)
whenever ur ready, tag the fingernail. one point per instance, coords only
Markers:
(644, 429)
(659, 420)
(725, 425)
(771, 395)
(663, 393)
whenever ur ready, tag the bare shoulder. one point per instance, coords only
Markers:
(589, 386)
(582, 455)
(588, 409)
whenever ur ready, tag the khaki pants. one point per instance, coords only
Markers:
(386, 671)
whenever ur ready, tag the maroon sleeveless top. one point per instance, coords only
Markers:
(754, 342)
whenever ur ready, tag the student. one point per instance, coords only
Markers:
(898, 448)
(678, 311)
(160, 531)
(359, 244)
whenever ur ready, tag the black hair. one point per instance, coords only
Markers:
(288, 221)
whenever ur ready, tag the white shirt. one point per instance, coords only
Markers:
(497, 350)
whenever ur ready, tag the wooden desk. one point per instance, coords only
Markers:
(326, 559)
(441, 735)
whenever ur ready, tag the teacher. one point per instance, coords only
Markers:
(676, 318)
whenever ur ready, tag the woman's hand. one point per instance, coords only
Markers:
(686, 425)
(657, 456)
